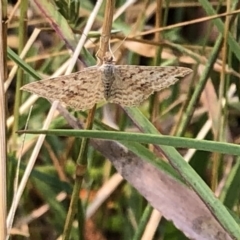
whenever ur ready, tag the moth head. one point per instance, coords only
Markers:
(108, 58)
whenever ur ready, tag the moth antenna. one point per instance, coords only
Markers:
(110, 51)
(120, 44)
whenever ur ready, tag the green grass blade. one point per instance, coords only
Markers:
(179, 142)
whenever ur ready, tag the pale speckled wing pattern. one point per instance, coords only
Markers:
(80, 90)
(126, 85)
(134, 84)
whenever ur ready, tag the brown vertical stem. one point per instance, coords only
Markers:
(154, 110)
(81, 165)
(106, 29)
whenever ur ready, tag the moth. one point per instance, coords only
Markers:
(126, 85)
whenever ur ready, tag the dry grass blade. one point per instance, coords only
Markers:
(3, 140)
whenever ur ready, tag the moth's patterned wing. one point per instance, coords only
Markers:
(134, 84)
(80, 90)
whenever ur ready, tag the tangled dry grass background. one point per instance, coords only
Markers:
(121, 182)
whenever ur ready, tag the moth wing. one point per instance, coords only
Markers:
(134, 84)
(80, 90)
